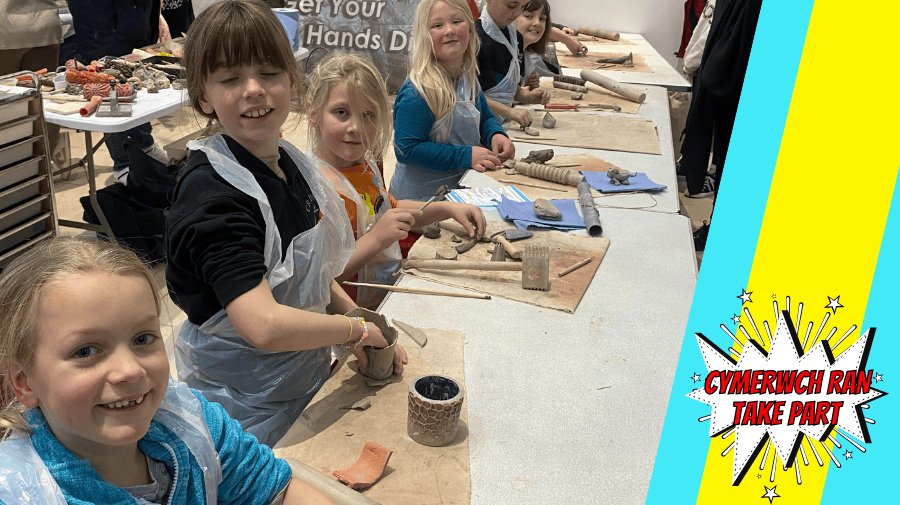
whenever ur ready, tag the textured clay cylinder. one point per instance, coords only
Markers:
(435, 403)
(381, 361)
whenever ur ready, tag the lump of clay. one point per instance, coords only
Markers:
(530, 131)
(618, 176)
(577, 96)
(433, 230)
(548, 121)
(546, 210)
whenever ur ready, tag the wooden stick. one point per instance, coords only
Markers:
(576, 266)
(563, 165)
(402, 289)
(495, 266)
(530, 141)
(614, 86)
(510, 181)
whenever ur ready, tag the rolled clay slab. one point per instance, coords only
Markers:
(381, 361)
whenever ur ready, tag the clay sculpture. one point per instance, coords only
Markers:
(617, 176)
(543, 209)
(548, 121)
(539, 156)
(435, 403)
(433, 230)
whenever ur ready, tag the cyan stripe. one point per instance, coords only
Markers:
(727, 260)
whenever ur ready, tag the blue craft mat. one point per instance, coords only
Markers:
(522, 214)
(640, 182)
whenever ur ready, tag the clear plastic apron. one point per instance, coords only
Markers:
(505, 90)
(461, 126)
(267, 390)
(380, 269)
(24, 478)
(529, 68)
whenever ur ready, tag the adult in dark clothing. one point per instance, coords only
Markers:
(178, 14)
(115, 28)
(717, 90)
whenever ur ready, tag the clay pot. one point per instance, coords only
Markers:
(435, 403)
(381, 361)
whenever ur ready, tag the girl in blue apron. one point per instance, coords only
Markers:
(256, 235)
(500, 61)
(442, 123)
(350, 127)
(88, 413)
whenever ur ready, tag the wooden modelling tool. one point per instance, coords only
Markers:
(440, 193)
(614, 86)
(596, 32)
(535, 267)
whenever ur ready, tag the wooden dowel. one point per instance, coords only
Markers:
(417, 291)
(576, 266)
(510, 181)
(530, 141)
(462, 265)
(614, 86)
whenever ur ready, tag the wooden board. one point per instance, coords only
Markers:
(328, 437)
(594, 131)
(565, 250)
(595, 94)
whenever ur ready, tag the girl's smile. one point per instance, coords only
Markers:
(449, 31)
(532, 25)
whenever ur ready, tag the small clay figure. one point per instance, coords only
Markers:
(546, 210)
(617, 176)
(548, 121)
(433, 230)
(539, 156)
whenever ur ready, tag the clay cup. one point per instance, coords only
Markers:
(381, 361)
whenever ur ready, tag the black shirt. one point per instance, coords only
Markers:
(494, 58)
(215, 234)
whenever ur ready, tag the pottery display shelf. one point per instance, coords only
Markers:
(664, 74)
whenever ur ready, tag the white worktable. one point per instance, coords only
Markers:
(659, 168)
(569, 408)
(663, 73)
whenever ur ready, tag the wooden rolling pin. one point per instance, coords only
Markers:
(596, 32)
(496, 266)
(614, 86)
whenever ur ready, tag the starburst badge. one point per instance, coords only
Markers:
(776, 391)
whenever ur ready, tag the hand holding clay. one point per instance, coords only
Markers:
(502, 147)
(520, 116)
(535, 96)
(394, 225)
(400, 359)
(574, 46)
(376, 339)
(533, 82)
(483, 159)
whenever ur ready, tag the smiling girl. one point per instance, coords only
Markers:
(256, 235)
(442, 123)
(532, 25)
(350, 127)
(87, 404)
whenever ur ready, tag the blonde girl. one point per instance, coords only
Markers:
(442, 123)
(88, 410)
(255, 234)
(350, 127)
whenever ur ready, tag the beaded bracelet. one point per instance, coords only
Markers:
(365, 334)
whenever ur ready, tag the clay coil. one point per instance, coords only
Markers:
(571, 79)
(571, 87)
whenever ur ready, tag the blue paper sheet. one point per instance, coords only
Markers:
(640, 182)
(522, 214)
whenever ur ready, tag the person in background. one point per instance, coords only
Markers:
(178, 14)
(30, 35)
(115, 28)
(499, 61)
(532, 25)
(442, 123)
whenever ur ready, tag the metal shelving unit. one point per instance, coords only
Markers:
(27, 204)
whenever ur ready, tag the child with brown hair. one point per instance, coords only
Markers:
(256, 235)
(89, 414)
(350, 127)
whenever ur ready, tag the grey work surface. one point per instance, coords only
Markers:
(569, 408)
(663, 73)
(659, 168)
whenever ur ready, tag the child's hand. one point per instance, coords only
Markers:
(521, 116)
(534, 81)
(483, 159)
(568, 31)
(535, 96)
(376, 339)
(503, 147)
(394, 225)
(400, 359)
(469, 216)
(574, 46)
